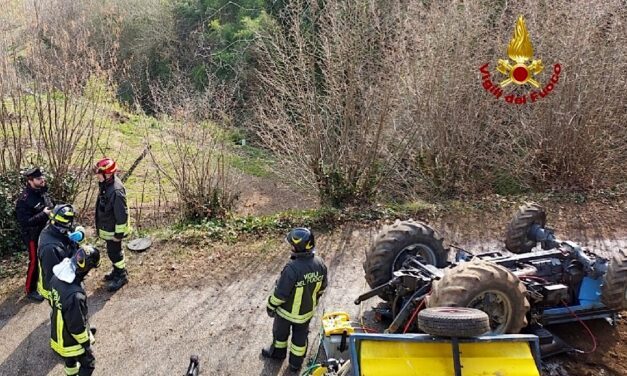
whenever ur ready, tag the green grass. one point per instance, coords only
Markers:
(325, 218)
(252, 161)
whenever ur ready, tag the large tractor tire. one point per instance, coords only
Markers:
(614, 289)
(485, 286)
(453, 322)
(516, 238)
(394, 244)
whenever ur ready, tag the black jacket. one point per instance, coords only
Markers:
(112, 219)
(29, 211)
(299, 288)
(53, 248)
(69, 318)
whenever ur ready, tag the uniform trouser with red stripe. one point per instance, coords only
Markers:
(32, 275)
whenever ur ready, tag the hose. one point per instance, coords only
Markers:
(344, 369)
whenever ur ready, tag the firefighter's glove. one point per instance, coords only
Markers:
(78, 235)
(271, 312)
(92, 336)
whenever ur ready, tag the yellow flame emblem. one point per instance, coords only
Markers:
(520, 51)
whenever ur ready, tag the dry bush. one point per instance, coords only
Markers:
(189, 150)
(53, 83)
(468, 142)
(363, 93)
(329, 102)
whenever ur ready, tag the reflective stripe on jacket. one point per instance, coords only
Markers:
(299, 288)
(52, 249)
(112, 217)
(69, 328)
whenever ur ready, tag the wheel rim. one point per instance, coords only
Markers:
(497, 306)
(424, 251)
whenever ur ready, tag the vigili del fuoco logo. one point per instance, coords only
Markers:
(520, 69)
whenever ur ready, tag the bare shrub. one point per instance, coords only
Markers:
(572, 139)
(189, 150)
(357, 97)
(330, 102)
(53, 87)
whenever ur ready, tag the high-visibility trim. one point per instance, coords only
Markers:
(71, 371)
(57, 345)
(120, 264)
(61, 219)
(82, 337)
(314, 296)
(67, 352)
(298, 350)
(275, 301)
(121, 229)
(105, 235)
(280, 344)
(298, 299)
(296, 319)
(40, 284)
(270, 306)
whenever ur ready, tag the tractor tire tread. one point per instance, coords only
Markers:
(390, 241)
(516, 239)
(454, 289)
(614, 288)
(466, 323)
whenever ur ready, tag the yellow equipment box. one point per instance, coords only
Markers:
(337, 323)
(336, 328)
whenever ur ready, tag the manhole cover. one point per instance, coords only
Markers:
(139, 245)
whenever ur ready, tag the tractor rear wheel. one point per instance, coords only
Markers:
(394, 244)
(516, 238)
(614, 289)
(486, 286)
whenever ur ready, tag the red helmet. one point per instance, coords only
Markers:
(105, 166)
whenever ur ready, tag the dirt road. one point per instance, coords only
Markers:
(209, 300)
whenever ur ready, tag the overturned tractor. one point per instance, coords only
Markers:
(524, 289)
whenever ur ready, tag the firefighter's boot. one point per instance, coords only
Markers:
(273, 353)
(109, 276)
(119, 279)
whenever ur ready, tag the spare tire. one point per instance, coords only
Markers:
(453, 322)
(614, 289)
(394, 243)
(486, 286)
(516, 238)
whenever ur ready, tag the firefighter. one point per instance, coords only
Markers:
(57, 241)
(70, 334)
(294, 300)
(32, 209)
(112, 220)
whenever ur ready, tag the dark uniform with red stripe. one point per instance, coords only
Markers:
(69, 329)
(294, 301)
(32, 219)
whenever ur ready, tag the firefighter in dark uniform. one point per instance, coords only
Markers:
(32, 210)
(70, 333)
(112, 220)
(57, 241)
(295, 297)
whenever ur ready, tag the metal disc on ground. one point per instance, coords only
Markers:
(139, 245)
